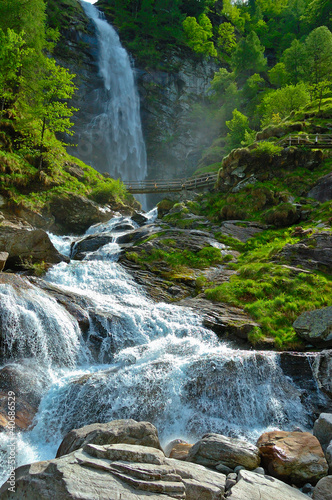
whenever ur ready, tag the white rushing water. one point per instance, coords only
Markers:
(113, 141)
(138, 360)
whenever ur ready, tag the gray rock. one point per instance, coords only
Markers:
(253, 486)
(315, 326)
(213, 449)
(117, 431)
(322, 370)
(116, 471)
(323, 429)
(322, 191)
(224, 469)
(323, 489)
(328, 455)
(259, 470)
(313, 253)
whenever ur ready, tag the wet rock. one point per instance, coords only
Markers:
(323, 490)
(322, 370)
(315, 327)
(253, 486)
(137, 234)
(313, 253)
(225, 320)
(90, 243)
(322, 191)
(323, 429)
(180, 451)
(3, 259)
(25, 244)
(117, 431)
(214, 449)
(74, 214)
(295, 457)
(140, 219)
(28, 382)
(328, 456)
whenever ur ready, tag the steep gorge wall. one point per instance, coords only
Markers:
(174, 134)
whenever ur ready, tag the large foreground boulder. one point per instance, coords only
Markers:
(117, 431)
(115, 471)
(215, 449)
(294, 457)
(253, 486)
(315, 327)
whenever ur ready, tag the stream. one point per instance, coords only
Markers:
(152, 361)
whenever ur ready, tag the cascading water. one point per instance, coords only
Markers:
(113, 141)
(154, 362)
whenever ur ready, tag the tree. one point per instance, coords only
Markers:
(11, 55)
(48, 106)
(319, 54)
(318, 13)
(294, 59)
(320, 90)
(239, 130)
(282, 101)
(248, 57)
(278, 75)
(198, 35)
(226, 37)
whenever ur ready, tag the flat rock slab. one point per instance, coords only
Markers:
(242, 230)
(313, 253)
(315, 326)
(253, 486)
(215, 449)
(295, 457)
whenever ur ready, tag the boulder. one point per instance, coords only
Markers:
(322, 370)
(215, 449)
(323, 490)
(31, 245)
(74, 214)
(314, 252)
(117, 431)
(3, 259)
(90, 243)
(241, 230)
(180, 451)
(140, 219)
(253, 486)
(315, 326)
(295, 457)
(115, 471)
(323, 429)
(322, 191)
(137, 234)
(29, 383)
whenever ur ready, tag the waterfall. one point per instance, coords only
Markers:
(113, 141)
(154, 362)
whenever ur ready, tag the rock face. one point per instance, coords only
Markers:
(295, 457)
(27, 244)
(313, 253)
(117, 431)
(243, 165)
(323, 490)
(215, 449)
(323, 190)
(116, 471)
(180, 451)
(323, 429)
(74, 214)
(253, 486)
(322, 369)
(315, 327)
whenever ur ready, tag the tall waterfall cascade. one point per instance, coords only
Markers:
(139, 359)
(113, 141)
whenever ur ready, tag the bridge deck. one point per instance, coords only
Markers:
(167, 186)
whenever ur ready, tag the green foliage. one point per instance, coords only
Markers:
(238, 130)
(11, 56)
(108, 191)
(198, 35)
(319, 54)
(283, 101)
(248, 57)
(278, 75)
(226, 38)
(266, 148)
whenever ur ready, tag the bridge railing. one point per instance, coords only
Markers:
(310, 140)
(163, 185)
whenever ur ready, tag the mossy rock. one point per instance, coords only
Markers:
(232, 212)
(283, 215)
(164, 206)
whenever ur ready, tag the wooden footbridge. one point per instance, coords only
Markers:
(311, 141)
(171, 186)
